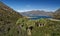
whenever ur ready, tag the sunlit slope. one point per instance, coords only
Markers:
(8, 18)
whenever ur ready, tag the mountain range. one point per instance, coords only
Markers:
(36, 13)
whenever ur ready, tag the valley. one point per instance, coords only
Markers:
(29, 23)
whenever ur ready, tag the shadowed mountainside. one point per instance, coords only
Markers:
(56, 14)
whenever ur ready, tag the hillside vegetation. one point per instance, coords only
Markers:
(14, 24)
(41, 27)
(8, 18)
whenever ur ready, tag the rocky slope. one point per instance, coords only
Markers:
(56, 14)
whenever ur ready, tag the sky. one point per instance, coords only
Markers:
(28, 5)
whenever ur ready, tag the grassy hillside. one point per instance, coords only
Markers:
(52, 28)
(12, 24)
(40, 27)
(8, 18)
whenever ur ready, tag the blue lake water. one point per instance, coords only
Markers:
(38, 17)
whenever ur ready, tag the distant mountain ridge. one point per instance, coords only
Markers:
(36, 13)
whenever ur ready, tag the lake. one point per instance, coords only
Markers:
(38, 17)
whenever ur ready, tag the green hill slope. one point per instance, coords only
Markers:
(8, 17)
